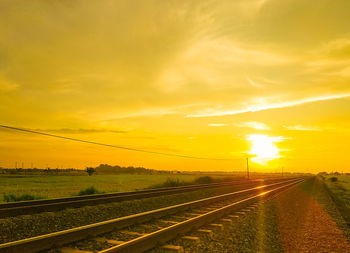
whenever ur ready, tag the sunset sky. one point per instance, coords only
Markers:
(266, 79)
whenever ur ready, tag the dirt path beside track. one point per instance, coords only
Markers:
(305, 226)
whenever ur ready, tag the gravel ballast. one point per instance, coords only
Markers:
(300, 219)
(25, 226)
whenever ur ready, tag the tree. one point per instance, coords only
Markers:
(90, 170)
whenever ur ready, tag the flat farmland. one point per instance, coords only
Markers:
(343, 182)
(52, 186)
(56, 186)
(302, 218)
(339, 190)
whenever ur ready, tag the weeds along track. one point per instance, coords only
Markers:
(49, 205)
(143, 231)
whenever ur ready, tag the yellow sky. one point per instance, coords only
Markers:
(202, 78)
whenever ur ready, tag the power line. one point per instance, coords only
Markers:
(115, 146)
(248, 168)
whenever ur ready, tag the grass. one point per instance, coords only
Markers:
(170, 182)
(205, 180)
(88, 191)
(174, 182)
(56, 186)
(53, 186)
(15, 198)
(16, 228)
(339, 190)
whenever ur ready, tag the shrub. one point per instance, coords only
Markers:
(333, 179)
(88, 191)
(204, 180)
(170, 182)
(24, 197)
(90, 170)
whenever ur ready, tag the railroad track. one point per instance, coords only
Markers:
(49, 205)
(157, 226)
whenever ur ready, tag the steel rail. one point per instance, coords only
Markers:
(161, 236)
(47, 205)
(47, 241)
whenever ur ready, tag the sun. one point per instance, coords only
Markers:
(263, 148)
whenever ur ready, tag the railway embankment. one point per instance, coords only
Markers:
(25, 226)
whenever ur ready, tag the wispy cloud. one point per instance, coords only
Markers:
(213, 113)
(254, 84)
(208, 60)
(217, 124)
(254, 125)
(226, 51)
(331, 59)
(337, 49)
(8, 85)
(302, 128)
(80, 131)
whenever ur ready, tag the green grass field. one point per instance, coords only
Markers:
(56, 186)
(341, 187)
(51, 186)
(340, 192)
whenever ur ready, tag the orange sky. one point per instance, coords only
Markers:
(268, 79)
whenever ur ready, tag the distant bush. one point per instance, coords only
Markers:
(204, 180)
(14, 198)
(88, 191)
(108, 169)
(173, 182)
(170, 182)
(90, 170)
(333, 179)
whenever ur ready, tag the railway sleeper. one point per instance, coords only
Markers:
(137, 240)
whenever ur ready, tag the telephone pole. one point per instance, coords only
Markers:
(248, 168)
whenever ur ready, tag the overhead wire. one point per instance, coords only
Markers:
(114, 146)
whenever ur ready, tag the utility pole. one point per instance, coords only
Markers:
(282, 171)
(248, 167)
(16, 165)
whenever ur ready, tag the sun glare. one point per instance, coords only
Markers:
(263, 148)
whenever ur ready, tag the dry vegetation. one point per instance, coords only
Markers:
(338, 187)
(17, 185)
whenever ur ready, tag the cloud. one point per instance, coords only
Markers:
(69, 130)
(337, 49)
(216, 124)
(254, 125)
(80, 131)
(216, 62)
(222, 50)
(269, 106)
(156, 112)
(254, 84)
(302, 128)
(8, 85)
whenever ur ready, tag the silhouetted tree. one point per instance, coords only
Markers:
(90, 170)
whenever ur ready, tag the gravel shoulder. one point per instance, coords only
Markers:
(300, 219)
(25, 226)
(305, 223)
